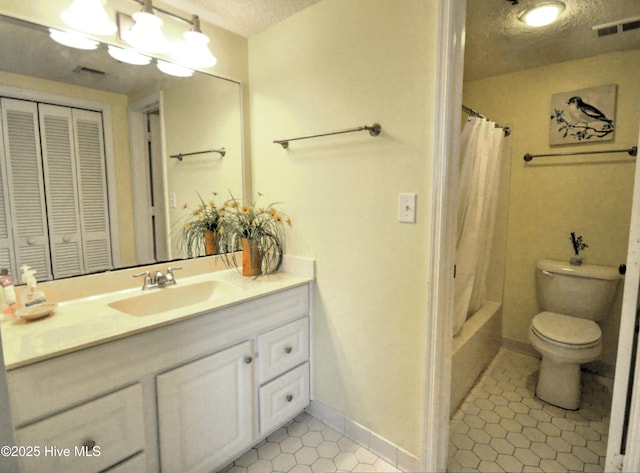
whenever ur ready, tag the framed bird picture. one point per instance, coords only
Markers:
(583, 116)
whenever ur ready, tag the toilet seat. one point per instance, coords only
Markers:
(565, 330)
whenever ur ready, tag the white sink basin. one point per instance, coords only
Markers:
(159, 300)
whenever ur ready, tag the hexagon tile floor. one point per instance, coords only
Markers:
(306, 445)
(502, 427)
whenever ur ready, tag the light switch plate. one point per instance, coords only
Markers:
(407, 208)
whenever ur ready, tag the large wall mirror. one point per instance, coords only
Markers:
(166, 141)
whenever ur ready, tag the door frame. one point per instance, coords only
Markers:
(437, 384)
(630, 461)
(439, 317)
(141, 184)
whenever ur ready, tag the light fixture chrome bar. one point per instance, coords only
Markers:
(179, 156)
(161, 10)
(633, 151)
(374, 130)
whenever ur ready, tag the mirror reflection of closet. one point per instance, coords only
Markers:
(55, 204)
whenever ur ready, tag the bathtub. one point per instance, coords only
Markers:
(474, 347)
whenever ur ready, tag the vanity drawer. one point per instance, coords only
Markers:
(283, 398)
(283, 348)
(137, 464)
(87, 438)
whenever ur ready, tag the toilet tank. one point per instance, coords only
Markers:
(585, 291)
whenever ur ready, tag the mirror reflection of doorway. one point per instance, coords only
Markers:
(158, 220)
(148, 176)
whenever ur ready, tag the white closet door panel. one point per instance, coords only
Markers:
(25, 185)
(7, 258)
(92, 187)
(58, 151)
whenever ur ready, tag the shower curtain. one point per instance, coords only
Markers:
(477, 198)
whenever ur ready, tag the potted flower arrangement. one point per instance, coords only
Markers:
(578, 246)
(200, 228)
(258, 231)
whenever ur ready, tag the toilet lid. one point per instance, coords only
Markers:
(566, 329)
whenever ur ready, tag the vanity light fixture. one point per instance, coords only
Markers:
(146, 34)
(195, 52)
(174, 69)
(542, 14)
(72, 39)
(128, 55)
(89, 16)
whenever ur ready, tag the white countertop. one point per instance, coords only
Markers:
(90, 321)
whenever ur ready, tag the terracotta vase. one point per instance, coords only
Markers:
(250, 258)
(210, 241)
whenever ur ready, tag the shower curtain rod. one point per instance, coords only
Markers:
(179, 156)
(473, 113)
(633, 151)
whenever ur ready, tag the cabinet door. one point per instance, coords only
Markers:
(205, 411)
(21, 136)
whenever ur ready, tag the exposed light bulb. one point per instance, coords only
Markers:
(174, 69)
(543, 14)
(72, 39)
(129, 56)
(146, 34)
(89, 16)
(195, 52)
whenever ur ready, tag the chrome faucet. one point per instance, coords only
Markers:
(157, 279)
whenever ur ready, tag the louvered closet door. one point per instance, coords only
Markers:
(92, 189)
(7, 259)
(63, 214)
(25, 185)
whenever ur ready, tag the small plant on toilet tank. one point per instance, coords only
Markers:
(578, 246)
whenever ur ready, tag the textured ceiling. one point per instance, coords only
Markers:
(498, 43)
(243, 17)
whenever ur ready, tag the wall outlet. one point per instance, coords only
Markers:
(407, 208)
(172, 200)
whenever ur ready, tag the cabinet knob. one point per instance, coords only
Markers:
(248, 360)
(31, 241)
(289, 397)
(288, 350)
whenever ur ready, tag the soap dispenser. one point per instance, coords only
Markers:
(31, 295)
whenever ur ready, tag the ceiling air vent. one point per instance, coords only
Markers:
(89, 71)
(620, 26)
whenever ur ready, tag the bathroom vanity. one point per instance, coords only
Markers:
(185, 390)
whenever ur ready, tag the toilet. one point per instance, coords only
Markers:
(572, 299)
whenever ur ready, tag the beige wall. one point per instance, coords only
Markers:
(338, 65)
(551, 197)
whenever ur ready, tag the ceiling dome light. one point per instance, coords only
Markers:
(174, 69)
(129, 56)
(195, 52)
(542, 14)
(146, 34)
(72, 39)
(89, 16)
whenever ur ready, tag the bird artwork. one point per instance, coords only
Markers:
(583, 115)
(584, 112)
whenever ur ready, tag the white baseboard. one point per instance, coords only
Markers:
(363, 436)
